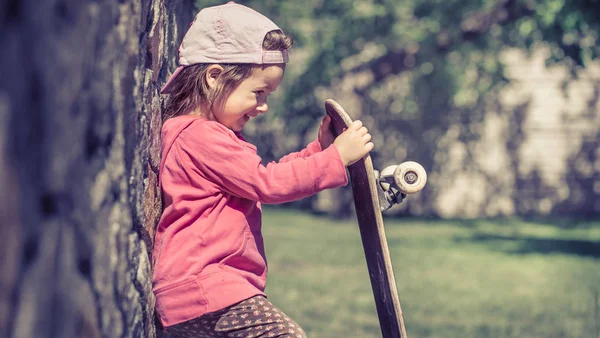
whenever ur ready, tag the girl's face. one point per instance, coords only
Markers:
(250, 98)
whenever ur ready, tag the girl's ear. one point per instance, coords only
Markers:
(212, 74)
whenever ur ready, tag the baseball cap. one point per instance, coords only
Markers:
(229, 33)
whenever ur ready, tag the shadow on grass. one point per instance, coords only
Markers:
(530, 245)
(566, 222)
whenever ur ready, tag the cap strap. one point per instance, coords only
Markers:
(275, 56)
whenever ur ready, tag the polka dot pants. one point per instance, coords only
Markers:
(251, 318)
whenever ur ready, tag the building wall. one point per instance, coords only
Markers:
(534, 149)
(539, 154)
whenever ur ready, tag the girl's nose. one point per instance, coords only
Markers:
(262, 108)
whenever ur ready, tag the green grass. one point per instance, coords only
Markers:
(488, 278)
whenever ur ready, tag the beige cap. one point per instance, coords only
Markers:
(229, 33)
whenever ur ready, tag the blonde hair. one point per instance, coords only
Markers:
(191, 93)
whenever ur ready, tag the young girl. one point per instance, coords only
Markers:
(210, 268)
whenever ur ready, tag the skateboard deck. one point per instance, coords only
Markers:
(370, 221)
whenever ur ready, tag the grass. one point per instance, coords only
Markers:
(486, 278)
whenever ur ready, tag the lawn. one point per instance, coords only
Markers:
(482, 278)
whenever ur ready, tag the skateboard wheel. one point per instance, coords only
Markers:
(410, 177)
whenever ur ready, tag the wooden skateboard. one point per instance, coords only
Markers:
(375, 192)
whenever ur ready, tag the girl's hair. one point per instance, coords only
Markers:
(192, 94)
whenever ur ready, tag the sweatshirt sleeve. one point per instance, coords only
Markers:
(313, 147)
(213, 151)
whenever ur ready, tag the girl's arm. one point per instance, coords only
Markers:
(311, 148)
(324, 140)
(212, 151)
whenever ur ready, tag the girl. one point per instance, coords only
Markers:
(210, 267)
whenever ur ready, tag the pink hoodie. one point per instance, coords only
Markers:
(209, 250)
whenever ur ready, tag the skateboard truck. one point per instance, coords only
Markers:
(396, 181)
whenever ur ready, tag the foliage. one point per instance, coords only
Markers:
(414, 69)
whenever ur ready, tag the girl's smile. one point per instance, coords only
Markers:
(249, 99)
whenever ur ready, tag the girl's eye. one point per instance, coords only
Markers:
(259, 92)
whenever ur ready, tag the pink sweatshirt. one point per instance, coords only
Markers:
(209, 250)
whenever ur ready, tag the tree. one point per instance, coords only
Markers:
(414, 69)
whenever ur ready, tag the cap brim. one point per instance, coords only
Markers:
(166, 89)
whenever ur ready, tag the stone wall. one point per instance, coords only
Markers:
(79, 128)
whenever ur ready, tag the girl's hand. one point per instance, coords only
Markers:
(325, 134)
(354, 143)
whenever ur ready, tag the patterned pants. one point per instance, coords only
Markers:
(251, 318)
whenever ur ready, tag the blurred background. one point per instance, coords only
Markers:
(497, 99)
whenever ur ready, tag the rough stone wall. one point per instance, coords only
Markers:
(79, 153)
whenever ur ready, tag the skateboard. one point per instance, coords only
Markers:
(375, 192)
